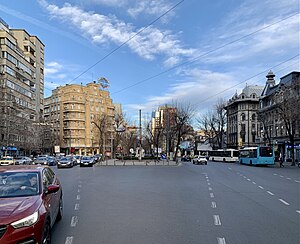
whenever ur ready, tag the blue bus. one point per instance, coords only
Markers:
(261, 155)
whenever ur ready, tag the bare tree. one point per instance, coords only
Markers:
(154, 136)
(103, 125)
(181, 127)
(213, 124)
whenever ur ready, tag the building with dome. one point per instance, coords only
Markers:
(242, 124)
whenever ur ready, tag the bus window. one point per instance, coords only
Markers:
(266, 152)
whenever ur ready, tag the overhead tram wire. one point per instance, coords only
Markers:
(260, 73)
(129, 39)
(202, 55)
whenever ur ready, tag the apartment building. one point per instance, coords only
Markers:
(22, 89)
(80, 119)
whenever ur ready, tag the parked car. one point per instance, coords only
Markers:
(87, 161)
(78, 158)
(186, 158)
(41, 160)
(97, 157)
(200, 160)
(23, 160)
(7, 160)
(65, 162)
(31, 202)
(51, 161)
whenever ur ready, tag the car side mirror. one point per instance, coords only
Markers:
(52, 189)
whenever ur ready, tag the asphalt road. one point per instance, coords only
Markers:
(216, 203)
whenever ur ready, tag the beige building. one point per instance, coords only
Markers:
(80, 119)
(22, 88)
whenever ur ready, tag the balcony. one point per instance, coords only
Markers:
(73, 119)
(77, 110)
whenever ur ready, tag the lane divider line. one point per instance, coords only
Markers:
(69, 240)
(78, 197)
(270, 193)
(221, 240)
(74, 221)
(260, 187)
(213, 205)
(76, 207)
(217, 220)
(211, 195)
(284, 202)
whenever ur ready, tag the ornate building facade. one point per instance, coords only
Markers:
(242, 124)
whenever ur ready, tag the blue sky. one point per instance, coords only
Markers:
(199, 52)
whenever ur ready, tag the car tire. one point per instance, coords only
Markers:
(60, 210)
(47, 233)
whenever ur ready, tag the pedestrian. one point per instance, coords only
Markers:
(281, 161)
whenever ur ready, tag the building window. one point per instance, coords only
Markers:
(243, 117)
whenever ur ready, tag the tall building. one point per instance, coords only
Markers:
(163, 120)
(22, 89)
(242, 123)
(280, 116)
(81, 119)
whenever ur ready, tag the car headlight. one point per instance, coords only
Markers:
(27, 221)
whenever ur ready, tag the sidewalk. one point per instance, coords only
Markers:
(116, 162)
(286, 165)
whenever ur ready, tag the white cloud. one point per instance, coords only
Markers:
(269, 43)
(148, 44)
(196, 88)
(153, 7)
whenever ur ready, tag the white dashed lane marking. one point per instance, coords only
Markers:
(221, 240)
(76, 206)
(217, 220)
(270, 193)
(69, 240)
(78, 197)
(260, 187)
(213, 205)
(211, 195)
(284, 202)
(74, 221)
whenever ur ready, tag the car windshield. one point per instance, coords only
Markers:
(18, 184)
(7, 159)
(86, 158)
(65, 159)
(42, 158)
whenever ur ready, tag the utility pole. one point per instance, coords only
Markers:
(140, 154)
(168, 131)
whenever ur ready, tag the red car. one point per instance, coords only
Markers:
(30, 203)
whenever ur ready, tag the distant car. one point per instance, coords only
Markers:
(31, 202)
(41, 160)
(51, 161)
(97, 157)
(87, 161)
(200, 160)
(77, 157)
(23, 160)
(186, 158)
(7, 160)
(65, 162)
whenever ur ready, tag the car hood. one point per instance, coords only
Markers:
(12, 209)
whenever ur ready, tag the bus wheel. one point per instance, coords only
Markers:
(250, 162)
(241, 161)
(224, 159)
